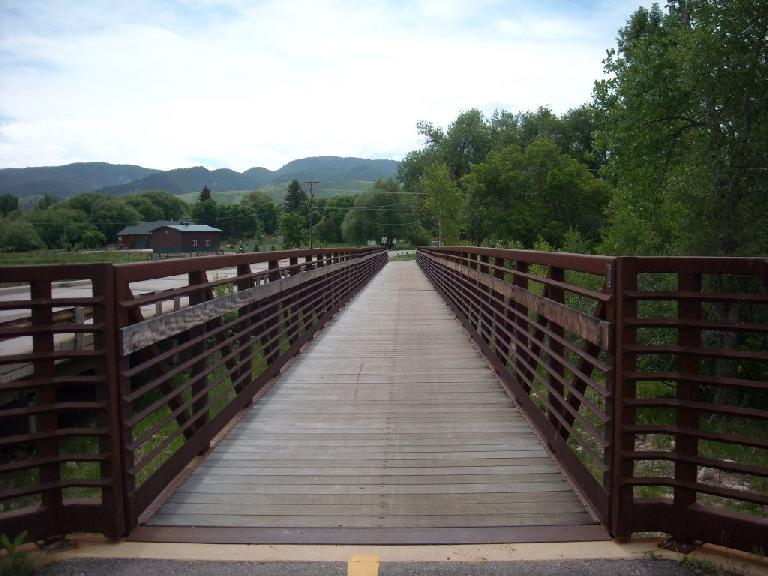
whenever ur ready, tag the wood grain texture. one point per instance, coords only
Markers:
(390, 418)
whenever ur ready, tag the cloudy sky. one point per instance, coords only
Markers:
(237, 83)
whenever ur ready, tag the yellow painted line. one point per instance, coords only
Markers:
(362, 565)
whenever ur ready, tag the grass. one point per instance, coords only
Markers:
(402, 257)
(62, 257)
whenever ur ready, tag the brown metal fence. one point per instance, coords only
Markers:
(647, 377)
(692, 408)
(185, 373)
(542, 320)
(59, 458)
(94, 428)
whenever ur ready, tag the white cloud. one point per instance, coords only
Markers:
(239, 84)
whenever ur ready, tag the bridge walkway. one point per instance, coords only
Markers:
(391, 422)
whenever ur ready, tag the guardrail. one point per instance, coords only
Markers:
(94, 435)
(647, 378)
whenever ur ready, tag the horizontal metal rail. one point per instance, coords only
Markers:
(186, 372)
(101, 407)
(651, 392)
(544, 321)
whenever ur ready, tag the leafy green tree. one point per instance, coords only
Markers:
(205, 212)
(107, 213)
(334, 209)
(538, 192)
(46, 202)
(59, 226)
(293, 228)
(149, 210)
(170, 207)
(685, 123)
(267, 211)
(8, 203)
(19, 236)
(444, 202)
(110, 215)
(383, 211)
(92, 238)
(205, 194)
(238, 221)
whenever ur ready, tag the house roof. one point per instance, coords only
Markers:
(191, 227)
(144, 227)
(149, 227)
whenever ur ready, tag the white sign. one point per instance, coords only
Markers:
(383, 239)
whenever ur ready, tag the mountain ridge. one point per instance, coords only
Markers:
(121, 179)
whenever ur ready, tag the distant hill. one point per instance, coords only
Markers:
(334, 168)
(68, 180)
(323, 168)
(336, 175)
(183, 180)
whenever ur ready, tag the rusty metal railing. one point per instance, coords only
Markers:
(92, 431)
(647, 377)
(691, 439)
(544, 321)
(59, 456)
(184, 374)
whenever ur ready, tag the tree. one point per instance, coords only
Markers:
(238, 221)
(164, 206)
(92, 238)
(8, 203)
(46, 202)
(267, 211)
(685, 112)
(293, 229)
(205, 212)
(205, 194)
(149, 210)
(536, 193)
(59, 226)
(333, 210)
(295, 198)
(110, 215)
(19, 236)
(445, 202)
(383, 211)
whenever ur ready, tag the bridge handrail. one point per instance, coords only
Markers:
(153, 391)
(686, 332)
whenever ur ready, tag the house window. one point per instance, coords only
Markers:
(207, 242)
(194, 242)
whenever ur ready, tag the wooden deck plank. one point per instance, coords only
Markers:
(465, 521)
(389, 419)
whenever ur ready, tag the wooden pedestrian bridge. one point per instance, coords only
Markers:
(471, 396)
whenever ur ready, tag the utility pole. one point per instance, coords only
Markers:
(311, 202)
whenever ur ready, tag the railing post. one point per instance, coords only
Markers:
(557, 294)
(687, 418)
(290, 306)
(485, 316)
(521, 347)
(269, 345)
(502, 315)
(113, 498)
(47, 421)
(622, 495)
(245, 345)
(199, 368)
